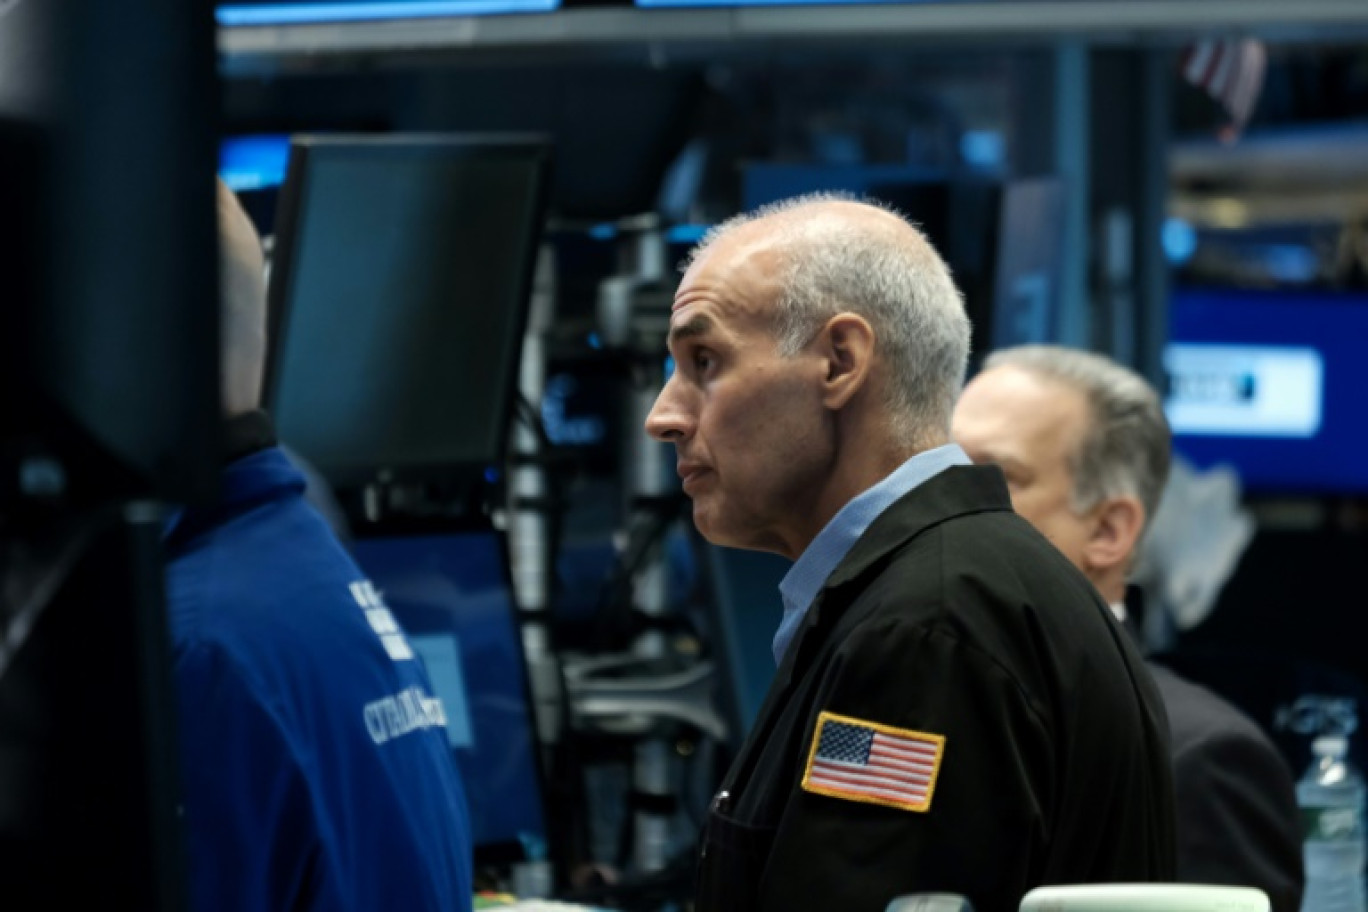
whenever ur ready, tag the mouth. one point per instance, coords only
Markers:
(690, 474)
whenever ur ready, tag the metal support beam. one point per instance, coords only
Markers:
(1050, 138)
(1130, 186)
(1071, 166)
(1153, 273)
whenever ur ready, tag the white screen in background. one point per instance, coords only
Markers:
(1244, 390)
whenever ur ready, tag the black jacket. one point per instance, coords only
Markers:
(951, 617)
(1236, 819)
(1237, 814)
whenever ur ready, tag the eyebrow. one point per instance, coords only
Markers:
(695, 327)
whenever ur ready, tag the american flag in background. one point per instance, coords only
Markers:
(1231, 71)
(878, 764)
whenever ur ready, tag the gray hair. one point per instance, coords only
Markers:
(894, 279)
(1126, 446)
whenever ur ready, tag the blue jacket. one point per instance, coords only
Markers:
(316, 769)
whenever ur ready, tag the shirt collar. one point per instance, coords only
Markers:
(809, 573)
(260, 476)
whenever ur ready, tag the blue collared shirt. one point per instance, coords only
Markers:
(809, 573)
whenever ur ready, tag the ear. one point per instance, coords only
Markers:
(846, 345)
(1117, 523)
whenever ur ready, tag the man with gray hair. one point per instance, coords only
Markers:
(1085, 448)
(940, 720)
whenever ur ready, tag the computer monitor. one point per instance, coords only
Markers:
(253, 166)
(256, 161)
(398, 296)
(108, 317)
(109, 400)
(452, 596)
(1270, 382)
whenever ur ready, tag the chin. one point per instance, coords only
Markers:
(707, 529)
(730, 537)
(710, 529)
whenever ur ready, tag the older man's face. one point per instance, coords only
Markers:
(1029, 427)
(752, 438)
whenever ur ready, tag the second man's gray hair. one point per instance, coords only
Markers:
(1127, 446)
(892, 278)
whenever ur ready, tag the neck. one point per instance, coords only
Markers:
(862, 461)
(1111, 584)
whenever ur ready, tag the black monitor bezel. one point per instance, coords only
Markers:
(304, 151)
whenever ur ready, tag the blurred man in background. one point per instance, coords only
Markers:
(1085, 448)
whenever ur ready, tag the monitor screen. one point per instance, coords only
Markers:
(254, 162)
(451, 595)
(108, 329)
(109, 402)
(399, 290)
(253, 167)
(1271, 383)
(300, 12)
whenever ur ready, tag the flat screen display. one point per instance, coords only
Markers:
(1273, 384)
(256, 162)
(399, 292)
(450, 595)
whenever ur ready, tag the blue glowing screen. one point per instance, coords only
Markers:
(450, 595)
(1273, 383)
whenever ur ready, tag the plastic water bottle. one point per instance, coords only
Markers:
(1331, 797)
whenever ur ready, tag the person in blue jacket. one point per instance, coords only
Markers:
(315, 765)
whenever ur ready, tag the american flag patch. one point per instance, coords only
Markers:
(872, 763)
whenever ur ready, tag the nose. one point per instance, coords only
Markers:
(669, 421)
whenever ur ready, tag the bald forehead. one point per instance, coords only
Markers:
(749, 263)
(743, 266)
(754, 242)
(763, 242)
(841, 223)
